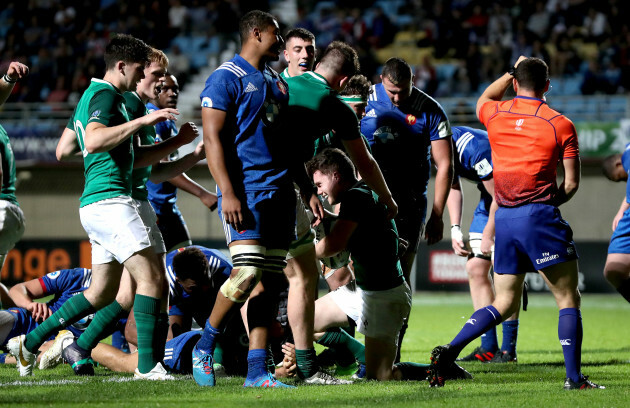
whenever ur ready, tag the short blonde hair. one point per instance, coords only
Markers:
(158, 57)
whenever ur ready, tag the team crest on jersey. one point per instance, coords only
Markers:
(54, 275)
(206, 102)
(519, 123)
(281, 87)
(411, 120)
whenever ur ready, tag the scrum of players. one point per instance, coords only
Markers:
(317, 171)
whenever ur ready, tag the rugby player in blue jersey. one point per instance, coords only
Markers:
(617, 268)
(163, 196)
(473, 162)
(406, 128)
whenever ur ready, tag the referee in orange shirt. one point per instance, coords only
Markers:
(528, 139)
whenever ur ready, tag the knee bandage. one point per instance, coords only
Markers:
(275, 260)
(475, 245)
(249, 260)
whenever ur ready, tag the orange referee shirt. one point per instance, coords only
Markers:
(527, 139)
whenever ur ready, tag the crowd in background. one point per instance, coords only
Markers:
(464, 43)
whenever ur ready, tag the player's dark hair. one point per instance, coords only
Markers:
(397, 71)
(123, 47)
(532, 74)
(254, 19)
(190, 263)
(609, 166)
(340, 59)
(301, 33)
(332, 160)
(358, 85)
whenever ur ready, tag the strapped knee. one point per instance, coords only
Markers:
(249, 261)
(275, 260)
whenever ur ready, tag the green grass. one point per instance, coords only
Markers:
(536, 380)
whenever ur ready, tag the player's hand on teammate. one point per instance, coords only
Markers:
(39, 311)
(200, 151)
(187, 133)
(519, 60)
(392, 207)
(315, 205)
(210, 200)
(232, 211)
(434, 230)
(457, 240)
(17, 71)
(289, 362)
(158, 116)
(487, 243)
(616, 220)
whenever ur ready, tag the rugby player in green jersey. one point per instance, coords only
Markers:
(110, 217)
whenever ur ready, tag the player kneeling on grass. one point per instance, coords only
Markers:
(372, 239)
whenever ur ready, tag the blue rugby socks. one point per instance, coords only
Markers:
(570, 336)
(489, 340)
(479, 323)
(510, 335)
(256, 363)
(208, 339)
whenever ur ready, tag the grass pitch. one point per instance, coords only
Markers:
(536, 380)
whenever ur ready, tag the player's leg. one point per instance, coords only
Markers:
(5, 300)
(174, 230)
(562, 280)
(115, 359)
(379, 358)
(617, 272)
(11, 228)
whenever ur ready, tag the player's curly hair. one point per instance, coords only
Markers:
(254, 19)
(532, 74)
(358, 85)
(397, 71)
(332, 160)
(124, 47)
(341, 59)
(190, 263)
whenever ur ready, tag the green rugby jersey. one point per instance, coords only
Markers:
(136, 109)
(8, 169)
(315, 109)
(373, 245)
(107, 174)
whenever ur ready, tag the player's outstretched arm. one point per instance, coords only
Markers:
(23, 295)
(166, 170)
(16, 71)
(148, 155)
(68, 146)
(213, 122)
(101, 138)
(454, 204)
(185, 183)
(370, 173)
(442, 153)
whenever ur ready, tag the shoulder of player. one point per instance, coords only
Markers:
(228, 72)
(421, 102)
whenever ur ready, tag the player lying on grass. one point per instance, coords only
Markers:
(364, 228)
(29, 313)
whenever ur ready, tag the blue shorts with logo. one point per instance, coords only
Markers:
(268, 217)
(481, 214)
(620, 241)
(178, 352)
(530, 238)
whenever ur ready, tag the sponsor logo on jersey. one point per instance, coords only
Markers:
(519, 123)
(483, 168)
(565, 342)
(206, 102)
(385, 134)
(250, 88)
(471, 321)
(411, 120)
(54, 275)
(95, 113)
(546, 257)
(281, 87)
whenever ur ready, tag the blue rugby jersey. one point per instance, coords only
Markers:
(162, 196)
(625, 161)
(253, 100)
(401, 137)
